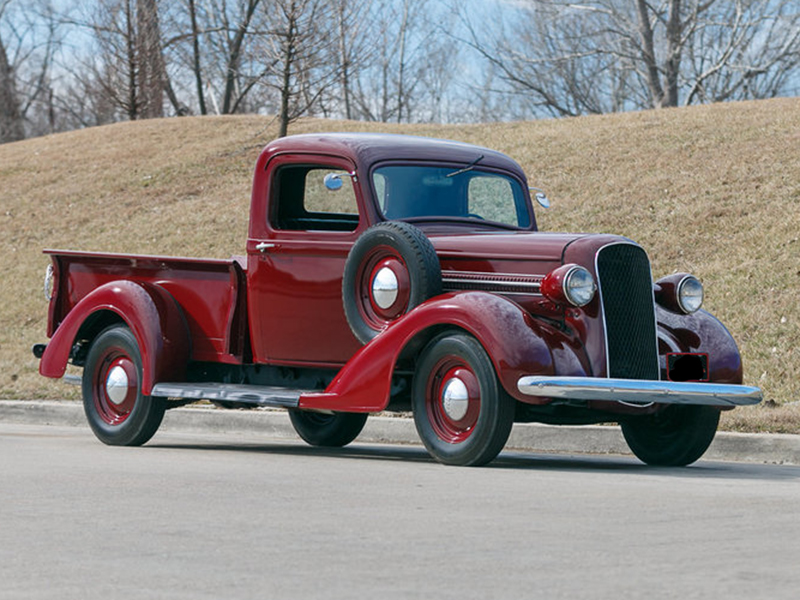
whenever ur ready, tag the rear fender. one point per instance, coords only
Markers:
(152, 314)
(516, 344)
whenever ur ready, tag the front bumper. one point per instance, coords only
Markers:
(639, 392)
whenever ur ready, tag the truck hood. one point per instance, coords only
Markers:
(538, 247)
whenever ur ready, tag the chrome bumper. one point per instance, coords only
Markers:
(636, 391)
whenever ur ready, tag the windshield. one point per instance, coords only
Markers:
(412, 192)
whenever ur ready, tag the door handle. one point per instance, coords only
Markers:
(264, 246)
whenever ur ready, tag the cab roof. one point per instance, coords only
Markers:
(366, 149)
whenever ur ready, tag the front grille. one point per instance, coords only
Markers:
(626, 290)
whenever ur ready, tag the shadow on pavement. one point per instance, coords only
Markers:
(507, 460)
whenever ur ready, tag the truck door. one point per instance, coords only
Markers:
(295, 268)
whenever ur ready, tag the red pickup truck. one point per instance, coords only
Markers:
(386, 273)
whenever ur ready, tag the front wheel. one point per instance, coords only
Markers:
(462, 413)
(674, 437)
(117, 411)
(330, 430)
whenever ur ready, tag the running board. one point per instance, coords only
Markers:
(260, 395)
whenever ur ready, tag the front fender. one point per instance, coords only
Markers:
(700, 332)
(516, 343)
(151, 313)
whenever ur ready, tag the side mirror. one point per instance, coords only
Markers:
(333, 181)
(540, 197)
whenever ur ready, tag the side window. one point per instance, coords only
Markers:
(379, 181)
(492, 198)
(303, 202)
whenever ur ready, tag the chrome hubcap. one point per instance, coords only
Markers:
(455, 399)
(117, 385)
(385, 288)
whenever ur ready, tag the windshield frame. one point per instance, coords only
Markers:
(456, 166)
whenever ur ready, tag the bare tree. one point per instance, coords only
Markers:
(28, 42)
(353, 47)
(112, 66)
(298, 53)
(11, 124)
(150, 60)
(85, 102)
(390, 86)
(403, 58)
(196, 62)
(552, 63)
(127, 62)
(231, 98)
(758, 53)
(374, 88)
(436, 83)
(598, 56)
(214, 41)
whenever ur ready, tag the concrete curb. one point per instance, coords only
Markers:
(735, 447)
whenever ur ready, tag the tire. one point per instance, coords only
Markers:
(462, 413)
(400, 251)
(119, 415)
(675, 437)
(328, 430)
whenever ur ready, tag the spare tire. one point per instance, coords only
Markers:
(391, 268)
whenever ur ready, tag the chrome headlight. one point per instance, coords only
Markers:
(579, 286)
(569, 283)
(690, 294)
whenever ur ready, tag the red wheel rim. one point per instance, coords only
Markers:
(453, 399)
(115, 386)
(375, 311)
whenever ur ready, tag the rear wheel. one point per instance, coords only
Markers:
(117, 411)
(323, 429)
(674, 437)
(462, 413)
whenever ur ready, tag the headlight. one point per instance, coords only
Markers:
(690, 294)
(569, 283)
(579, 286)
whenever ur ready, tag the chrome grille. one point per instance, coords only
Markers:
(626, 290)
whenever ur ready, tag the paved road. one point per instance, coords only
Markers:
(235, 516)
(525, 437)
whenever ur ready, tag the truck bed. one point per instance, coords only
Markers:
(210, 292)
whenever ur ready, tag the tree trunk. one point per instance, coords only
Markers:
(401, 76)
(234, 55)
(151, 60)
(286, 83)
(674, 50)
(344, 59)
(11, 126)
(198, 75)
(133, 101)
(649, 54)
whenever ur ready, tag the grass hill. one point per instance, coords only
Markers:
(714, 190)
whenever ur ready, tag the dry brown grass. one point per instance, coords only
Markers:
(768, 417)
(714, 190)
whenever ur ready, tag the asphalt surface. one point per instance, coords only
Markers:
(242, 515)
(274, 424)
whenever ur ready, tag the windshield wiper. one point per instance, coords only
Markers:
(469, 167)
